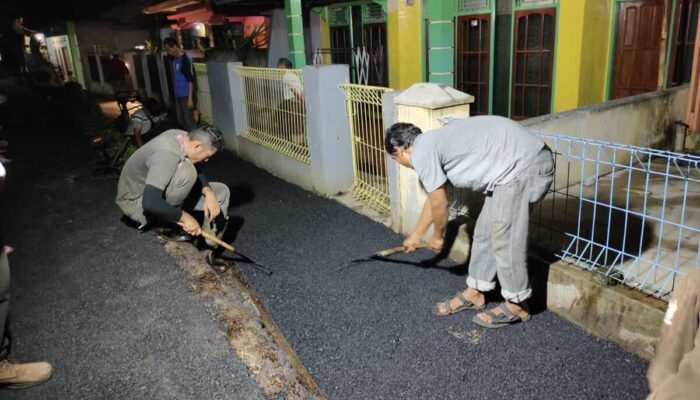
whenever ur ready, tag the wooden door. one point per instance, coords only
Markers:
(637, 47)
(533, 54)
(474, 60)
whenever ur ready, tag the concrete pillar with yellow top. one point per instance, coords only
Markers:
(426, 105)
(404, 42)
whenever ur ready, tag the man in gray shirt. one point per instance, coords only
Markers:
(159, 177)
(491, 155)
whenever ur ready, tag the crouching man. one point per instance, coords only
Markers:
(160, 178)
(491, 155)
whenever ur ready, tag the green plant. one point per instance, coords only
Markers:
(150, 47)
(242, 45)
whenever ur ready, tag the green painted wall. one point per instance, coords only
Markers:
(441, 41)
(295, 32)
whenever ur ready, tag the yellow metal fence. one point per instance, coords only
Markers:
(203, 93)
(275, 110)
(364, 109)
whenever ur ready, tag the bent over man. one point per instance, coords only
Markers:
(159, 178)
(491, 155)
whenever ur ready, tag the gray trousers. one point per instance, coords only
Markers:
(178, 190)
(4, 304)
(499, 247)
(185, 117)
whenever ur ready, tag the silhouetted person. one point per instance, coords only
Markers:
(14, 375)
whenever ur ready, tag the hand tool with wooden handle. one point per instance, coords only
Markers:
(378, 256)
(232, 249)
(218, 241)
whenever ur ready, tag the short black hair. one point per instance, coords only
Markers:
(401, 134)
(285, 61)
(169, 42)
(209, 134)
(153, 106)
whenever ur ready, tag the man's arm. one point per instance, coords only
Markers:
(188, 72)
(211, 204)
(154, 203)
(434, 212)
(439, 210)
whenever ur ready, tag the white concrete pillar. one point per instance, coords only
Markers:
(146, 75)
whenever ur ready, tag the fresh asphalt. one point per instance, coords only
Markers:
(365, 331)
(115, 316)
(101, 302)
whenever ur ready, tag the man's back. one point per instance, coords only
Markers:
(476, 153)
(153, 164)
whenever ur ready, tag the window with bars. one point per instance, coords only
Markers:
(532, 63)
(526, 3)
(684, 31)
(339, 16)
(474, 5)
(373, 13)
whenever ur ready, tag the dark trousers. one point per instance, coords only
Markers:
(185, 117)
(4, 304)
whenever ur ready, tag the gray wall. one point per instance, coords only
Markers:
(279, 42)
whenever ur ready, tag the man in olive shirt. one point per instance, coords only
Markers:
(491, 155)
(158, 178)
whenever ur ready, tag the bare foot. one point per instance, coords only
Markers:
(470, 294)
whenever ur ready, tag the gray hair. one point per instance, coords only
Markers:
(401, 134)
(208, 135)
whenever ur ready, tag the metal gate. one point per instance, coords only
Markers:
(364, 110)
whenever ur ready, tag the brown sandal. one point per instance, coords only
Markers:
(466, 305)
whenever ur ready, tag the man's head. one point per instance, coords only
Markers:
(172, 47)
(284, 63)
(153, 107)
(202, 143)
(399, 142)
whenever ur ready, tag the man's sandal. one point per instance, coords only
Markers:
(504, 318)
(466, 305)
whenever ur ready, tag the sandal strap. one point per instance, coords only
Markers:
(448, 307)
(465, 301)
(506, 311)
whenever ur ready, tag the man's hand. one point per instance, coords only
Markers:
(189, 224)
(411, 242)
(436, 243)
(190, 104)
(211, 205)
(7, 249)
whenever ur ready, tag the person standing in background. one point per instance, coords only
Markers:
(183, 84)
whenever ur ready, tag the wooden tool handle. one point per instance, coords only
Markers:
(394, 250)
(218, 241)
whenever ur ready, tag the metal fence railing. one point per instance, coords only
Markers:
(629, 213)
(275, 110)
(364, 110)
(203, 93)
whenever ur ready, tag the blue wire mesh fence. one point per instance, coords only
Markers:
(629, 213)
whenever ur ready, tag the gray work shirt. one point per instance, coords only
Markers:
(153, 164)
(476, 153)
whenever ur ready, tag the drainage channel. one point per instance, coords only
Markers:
(251, 332)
